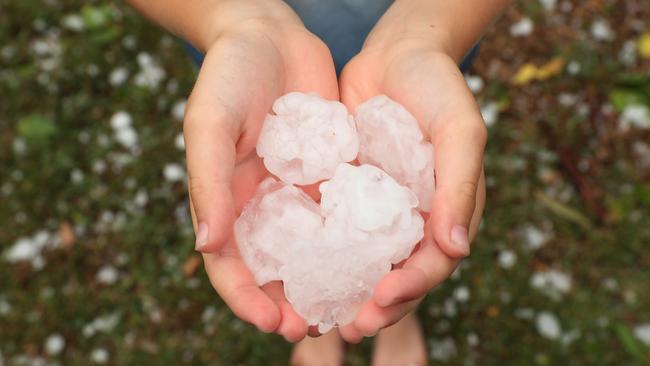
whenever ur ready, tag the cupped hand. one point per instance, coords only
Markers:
(251, 64)
(429, 84)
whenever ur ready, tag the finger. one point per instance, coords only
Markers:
(292, 327)
(373, 318)
(459, 146)
(350, 334)
(425, 269)
(235, 284)
(211, 130)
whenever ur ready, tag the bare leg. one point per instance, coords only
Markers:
(401, 344)
(326, 350)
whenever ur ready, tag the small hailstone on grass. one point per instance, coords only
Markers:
(29, 249)
(174, 172)
(5, 306)
(118, 76)
(548, 325)
(601, 30)
(99, 355)
(635, 116)
(150, 74)
(76, 176)
(522, 28)
(103, 324)
(642, 333)
(461, 294)
(553, 283)
(179, 142)
(19, 146)
(107, 275)
(73, 22)
(124, 132)
(443, 350)
(507, 259)
(548, 5)
(490, 113)
(534, 237)
(178, 110)
(307, 138)
(573, 67)
(54, 344)
(475, 83)
(472, 339)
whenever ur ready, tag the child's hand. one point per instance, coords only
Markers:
(251, 63)
(429, 84)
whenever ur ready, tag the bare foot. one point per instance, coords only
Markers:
(401, 344)
(326, 350)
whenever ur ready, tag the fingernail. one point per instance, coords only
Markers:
(201, 236)
(460, 238)
(373, 333)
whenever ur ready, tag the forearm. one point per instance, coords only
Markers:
(200, 22)
(451, 26)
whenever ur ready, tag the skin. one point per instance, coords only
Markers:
(257, 51)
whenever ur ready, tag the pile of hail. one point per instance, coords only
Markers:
(330, 254)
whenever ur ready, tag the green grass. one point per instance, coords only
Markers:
(568, 171)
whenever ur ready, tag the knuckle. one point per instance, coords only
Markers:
(467, 189)
(196, 186)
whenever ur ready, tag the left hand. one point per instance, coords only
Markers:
(428, 83)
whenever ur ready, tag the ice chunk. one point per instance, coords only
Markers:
(277, 217)
(307, 138)
(365, 205)
(390, 138)
(330, 257)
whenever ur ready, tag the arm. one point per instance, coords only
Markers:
(450, 26)
(200, 22)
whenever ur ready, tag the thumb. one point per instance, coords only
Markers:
(211, 131)
(210, 153)
(458, 164)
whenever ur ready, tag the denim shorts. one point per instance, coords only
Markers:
(343, 25)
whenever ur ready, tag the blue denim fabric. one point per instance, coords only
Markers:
(343, 25)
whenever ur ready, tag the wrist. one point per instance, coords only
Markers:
(452, 28)
(232, 16)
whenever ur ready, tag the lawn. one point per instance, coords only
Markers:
(96, 244)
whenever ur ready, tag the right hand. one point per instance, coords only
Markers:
(250, 64)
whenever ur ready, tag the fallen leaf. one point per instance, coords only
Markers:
(493, 311)
(191, 265)
(530, 72)
(526, 74)
(644, 45)
(551, 68)
(66, 235)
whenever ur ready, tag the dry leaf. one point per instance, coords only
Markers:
(529, 72)
(66, 235)
(526, 74)
(191, 265)
(644, 45)
(551, 68)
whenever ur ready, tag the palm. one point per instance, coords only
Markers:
(245, 74)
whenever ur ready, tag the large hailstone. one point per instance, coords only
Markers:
(307, 138)
(390, 138)
(329, 257)
(278, 216)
